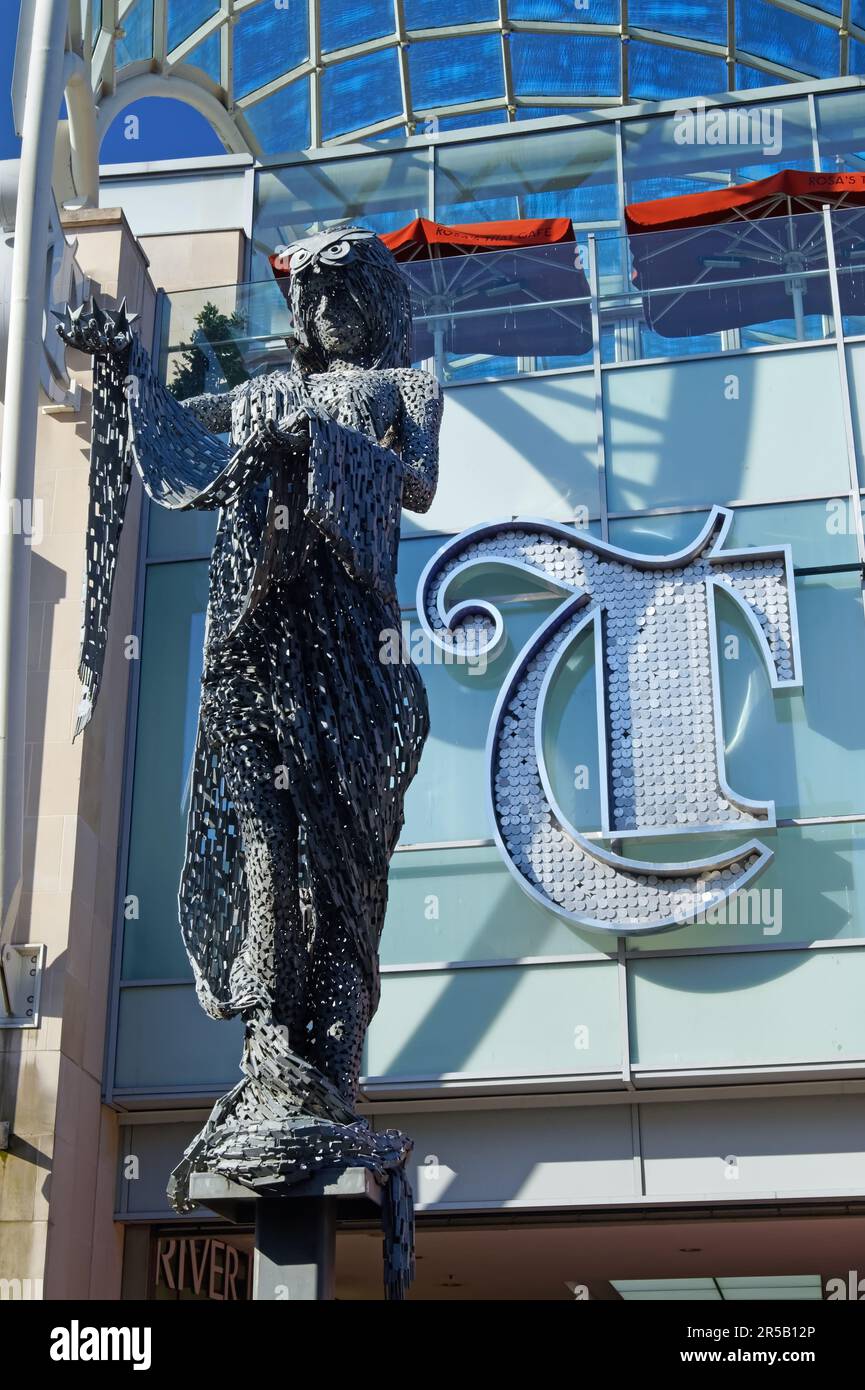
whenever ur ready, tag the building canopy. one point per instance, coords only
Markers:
(275, 76)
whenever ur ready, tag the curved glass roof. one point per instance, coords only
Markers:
(279, 75)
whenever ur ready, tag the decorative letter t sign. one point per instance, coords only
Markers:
(661, 755)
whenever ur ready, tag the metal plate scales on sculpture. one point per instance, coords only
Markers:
(307, 740)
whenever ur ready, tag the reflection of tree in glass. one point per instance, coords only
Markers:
(212, 361)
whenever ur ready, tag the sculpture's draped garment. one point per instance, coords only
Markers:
(301, 593)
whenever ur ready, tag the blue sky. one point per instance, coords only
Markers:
(8, 143)
(166, 129)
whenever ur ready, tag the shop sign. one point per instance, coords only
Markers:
(659, 762)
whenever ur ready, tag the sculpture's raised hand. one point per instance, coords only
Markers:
(95, 331)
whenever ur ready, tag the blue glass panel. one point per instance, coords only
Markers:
(841, 128)
(857, 12)
(343, 24)
(818, 532)
(803, 748)
(591, 203)
(856, 367)
(749, 173)
(713, 1011)
(670, 186)
(360, 93)
(565, 64)
(207, 56)
(757, 448)
(267, 42)
(693, 19)
(598, 11)
(447, 71)
(543, 113)
(429, 14)
(798, 43)
(814, 328)
(542, 174)
(749, 78)
(856, 58)
(481, 914)
(657, 73)
(179, 533)
(460, 368)
(485, 1022)
(138, 34)
(446, 801)
(281, 122)
(664, 157)
(294, 201)
(479, 210)
(171, 649)
(390, 221)
(828, 6)
(184, 17)
(166, 1040)
(656, 345)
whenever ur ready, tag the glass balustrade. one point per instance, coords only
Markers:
(713, 289)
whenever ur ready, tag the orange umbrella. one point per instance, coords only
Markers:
(738, 235)
(500, 288)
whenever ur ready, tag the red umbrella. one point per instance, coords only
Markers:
(734, 234)
(503, 288)
(422, 239)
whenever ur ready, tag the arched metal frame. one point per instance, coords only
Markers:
(167, 72)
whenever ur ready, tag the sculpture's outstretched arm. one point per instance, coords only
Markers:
(421, 418)
(135, 419)
(212, 412)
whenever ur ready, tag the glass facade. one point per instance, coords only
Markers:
(635, 441)
(295, 76)
(589, 173)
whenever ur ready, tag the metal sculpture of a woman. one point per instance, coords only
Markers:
(307, 741)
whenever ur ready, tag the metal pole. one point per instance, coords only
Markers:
(798, 310)
(844, 382)
(795, 286)
(439, 354)
(597, 376)
(20, 406)
(295, 1249)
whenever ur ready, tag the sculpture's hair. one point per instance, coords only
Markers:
(381, 293)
